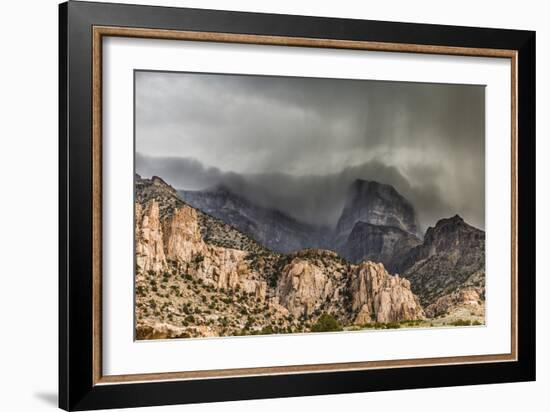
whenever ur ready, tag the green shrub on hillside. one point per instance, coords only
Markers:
(461, 322)
(326, 323)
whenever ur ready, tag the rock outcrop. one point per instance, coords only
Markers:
(302, 286)
(357, 294)
(378, 296)
(178, 239)
(471, 297)
(452, 256)
(181, 234)
(149, 243)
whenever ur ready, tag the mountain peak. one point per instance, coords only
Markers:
(376, 203)
(455, 220)
(451, 253)
(452, 227)
(159, 181)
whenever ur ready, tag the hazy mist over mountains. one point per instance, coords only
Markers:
(296, 144)
(314, 199)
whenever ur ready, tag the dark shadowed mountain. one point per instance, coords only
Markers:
(379, 243)
(452, 256)
(378, 204)
(274, 229)
(377, 223)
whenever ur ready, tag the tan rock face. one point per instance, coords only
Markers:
(378, 296)
(305, 287)
(224, 267)
(302, 287)
(182, 237)
(260, 290)
(178, 238)
(471, 297)
(149, 245)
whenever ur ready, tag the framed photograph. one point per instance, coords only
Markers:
(257, 205)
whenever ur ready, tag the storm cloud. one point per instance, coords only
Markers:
(297, 143)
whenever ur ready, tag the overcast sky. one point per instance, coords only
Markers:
(297, 143)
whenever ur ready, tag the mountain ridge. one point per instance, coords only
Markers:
(284, 234)
(452, 254)
(273, 228)
(191, 285)
(205, 258)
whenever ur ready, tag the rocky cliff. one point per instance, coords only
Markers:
(386, 244)
(198, 276)
(381, 298)
(378, 204)
(451, 257)
(317, 281)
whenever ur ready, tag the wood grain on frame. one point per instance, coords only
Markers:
(100, 31)
(97, 176)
